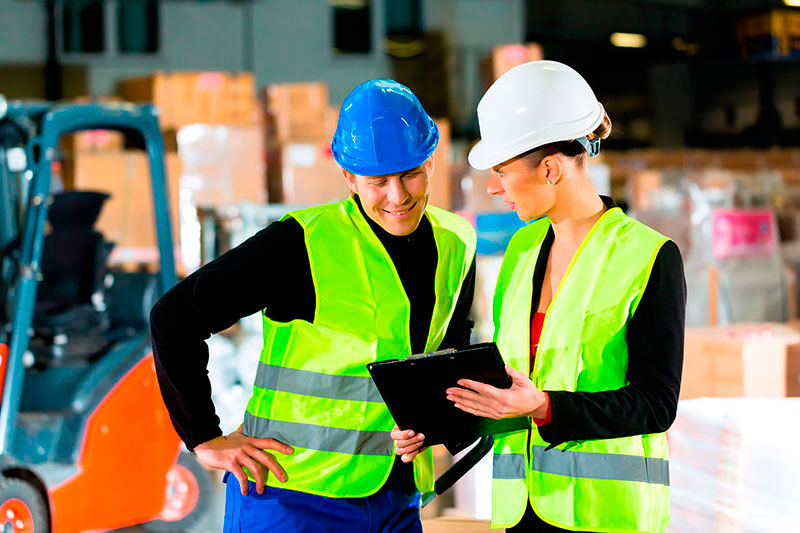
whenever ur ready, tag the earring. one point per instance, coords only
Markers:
(549, 182)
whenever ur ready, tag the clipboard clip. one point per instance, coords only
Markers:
(428, 354)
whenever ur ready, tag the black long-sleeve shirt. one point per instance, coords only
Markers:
(648, 404)
(271, 271)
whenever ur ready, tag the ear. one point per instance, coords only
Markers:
(552, 168)
(429, 166)
(350, 178)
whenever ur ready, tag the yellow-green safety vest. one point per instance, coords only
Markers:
(608, 485)
(312, 389)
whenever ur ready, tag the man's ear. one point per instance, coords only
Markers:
(350, 178)
(429, 166)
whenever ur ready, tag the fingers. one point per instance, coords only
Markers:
(408, 457)
(407, 446)
(269, 460)
(241, 477)
(398, 433)
(474, 403)
(407, 443)
(477, 411)
(476, 386)
(457, 394)
(514, 373)
(271, 444)
(256, 470)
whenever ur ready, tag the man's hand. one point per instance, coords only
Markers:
(522, 399)
(407, 443)
(235, 451)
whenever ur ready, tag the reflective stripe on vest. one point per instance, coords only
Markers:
(312, 389)
(600, 465)
(621, 484)
(297, 381)
(508, 466)
(583, 464)
(327, 439)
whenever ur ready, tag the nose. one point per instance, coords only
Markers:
(398, 193)
(494, 187)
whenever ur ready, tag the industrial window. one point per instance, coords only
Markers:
(83, 24)
(352, 26)
(137, 26)
(403, 18)
(109, 27)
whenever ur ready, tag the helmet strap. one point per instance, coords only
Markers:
(592, 146)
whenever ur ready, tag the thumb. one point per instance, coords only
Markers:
(516, 375)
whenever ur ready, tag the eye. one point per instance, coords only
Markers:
(378, 183)
(500, 173)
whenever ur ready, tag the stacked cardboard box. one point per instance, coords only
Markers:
(127, 217)
(446, 524)
(196, 97)
(210, 122)
(296, 111)
(299, 127)
(301, 170)
(745, 360)
(505, 57)
(92, 141)
(441, 182)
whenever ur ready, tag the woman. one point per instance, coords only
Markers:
(589, 316)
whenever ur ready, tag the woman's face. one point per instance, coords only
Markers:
(523, 187)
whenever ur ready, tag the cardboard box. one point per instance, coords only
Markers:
(440, 183)
(505, 57)
(304, 173)
(92, 141)
(456, 525)
(297, 111)
(196, 97)
(127, 217)
(745, 360)
(222, 165)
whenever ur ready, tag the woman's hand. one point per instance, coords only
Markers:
(522, 399)
(235, 451)
(407, 443)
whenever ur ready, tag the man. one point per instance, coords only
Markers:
(380, 275)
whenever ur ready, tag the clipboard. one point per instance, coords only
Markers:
(414, 392)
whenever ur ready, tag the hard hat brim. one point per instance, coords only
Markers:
(483, 157)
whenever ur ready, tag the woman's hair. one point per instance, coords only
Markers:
(569, 148)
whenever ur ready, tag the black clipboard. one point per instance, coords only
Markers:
(414, 391)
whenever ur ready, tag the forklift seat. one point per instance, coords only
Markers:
(70, 298)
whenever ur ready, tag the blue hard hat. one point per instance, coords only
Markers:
(383, 129)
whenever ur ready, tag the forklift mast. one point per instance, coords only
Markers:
(22, 234)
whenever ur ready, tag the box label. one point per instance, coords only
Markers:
(742, 233)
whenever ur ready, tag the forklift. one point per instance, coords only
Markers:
(86, 443)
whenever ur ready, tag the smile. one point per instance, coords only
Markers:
(401, 213)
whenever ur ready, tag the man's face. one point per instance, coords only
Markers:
(396, 202)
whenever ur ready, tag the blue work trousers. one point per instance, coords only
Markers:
(391, 509)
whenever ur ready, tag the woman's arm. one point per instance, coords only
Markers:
(655, 359)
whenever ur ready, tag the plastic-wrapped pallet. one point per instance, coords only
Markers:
(734, 466)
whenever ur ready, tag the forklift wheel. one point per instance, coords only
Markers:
(22, 509)
(187, 499)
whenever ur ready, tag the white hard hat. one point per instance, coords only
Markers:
(534, 104)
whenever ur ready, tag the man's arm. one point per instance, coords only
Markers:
(236, 284)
